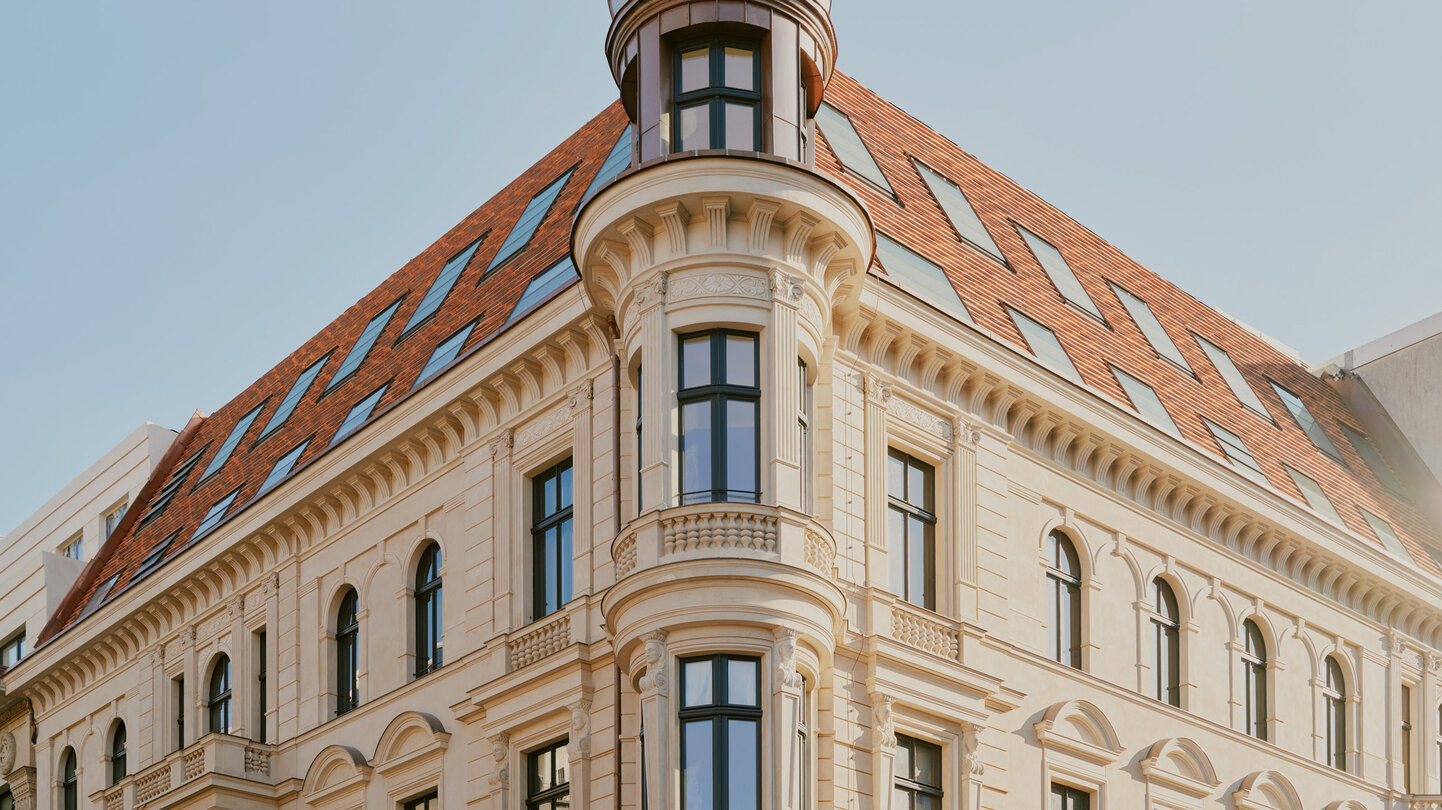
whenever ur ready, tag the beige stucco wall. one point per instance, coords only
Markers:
(1407, 380)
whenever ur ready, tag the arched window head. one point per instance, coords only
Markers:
(69, 784)
(428, 611)
(1166, 643)
(347, 649)
(1335, 695)
(1254, 680)
(117, 753)
(1063, 593)
(219, 696)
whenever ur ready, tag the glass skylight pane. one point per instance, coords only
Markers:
(848, 146)
(1384, 532)
(1060, 273)
(1309, 424)
(1237, 452)
(1369, 454)
(98, 597)
(1146, 401)
(1233, 376)
(530, 220)
(1151, 327)
(283, 466)
(156, 554)
(445, 280)
(1045, 346)
(236, 434)
(559, 275)
(1316, 498)
(360, 413)
(163, 498)
(615, 163)
(292, 397)
(363, 344)
(213, 517)
(919, 276)
(958, 209)
(445, 353)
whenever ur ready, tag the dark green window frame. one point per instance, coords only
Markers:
(347, 653)
(552, 508)
(548, 778)
(429, 643)
(219, 696)
(1063, 583)
(722, 393)
(716, 95)
(709, 773)
(1066, 797)
(918, 774)
(911, 528)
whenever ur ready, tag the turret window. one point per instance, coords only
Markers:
(721, 733)
(718, 96)
(720, 400)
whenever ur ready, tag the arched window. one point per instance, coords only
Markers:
(428, 611)
(1335, 695)
(1254, 680)
(69, 784)
(220, 696)
(1063, 596)
(117, 753)
(1167, 642)
(347, 654)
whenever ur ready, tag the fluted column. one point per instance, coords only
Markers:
(877, 394)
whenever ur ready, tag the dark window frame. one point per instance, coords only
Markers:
(716, 95)
(719, 394)
(430, 801)
(429, 643)
(218, 696)
(1072, 798)
(908, 508)
(69, 781)
(719, 712)
(1166, 643)
(1334, 697)
(347, 653)
(1255, 713)
(544, 576)
(1064, 596)
(558, 794)
(117, 753)
(910, 783)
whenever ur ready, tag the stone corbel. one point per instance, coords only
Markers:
(786, 287)
(883, 736)
(22, 787)
(654, 681)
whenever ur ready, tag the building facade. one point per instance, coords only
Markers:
(758, 448)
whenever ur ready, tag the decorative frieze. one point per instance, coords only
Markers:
(692, 285)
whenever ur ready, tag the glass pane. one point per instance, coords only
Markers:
(741, 446)
(895, 477)
(548, 495)
(698, 683)
(740, 68)
(740, 127)
(903, 760)
(745, 764)
(900, 799)
(563, 765)
(917, 491)
(919, 560)
(696, 362)
(543, 771)
(741, 360)
(741, 683)
(564, 562)
(695, 127)
(896, 548)
(695, 70)
(926, 802)
(696, 768)
(696, 449)
(566, 496)
(550, 564)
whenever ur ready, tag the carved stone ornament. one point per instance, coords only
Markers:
(654, 681)
(652, 289)
(500, 752)
(965, 431)
(786, 287)
(580, 396)
(785, 652)
(1396, 643)
(580, 742)
(1434, 662)
(970, 741)
(500, 446)
(884, 720)
(877, 389)
(7, 753)
(22, 788)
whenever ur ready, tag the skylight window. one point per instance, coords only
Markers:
(216, 514)
(1237, 452)
(1060, 273)
(1045, 346)
(1147, 321)
(1233, 376)
(530, 219)
(166, 494)
(236, 434)
(920, 276)
(363, 344)
(293, 396)
(156, 555)
(615, 163)
(1375, 462)
(360, 413)
(1384, 532)
(1316, 498)
(441, 287)
(1145, 399)
(283, 466)
(959, 210)
(1306, 421)
(98, 597)
(445, 353)
(848, 146)
(557, 276)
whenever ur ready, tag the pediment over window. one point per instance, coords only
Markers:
(1182, 765)
(1346, 804)
(1079, 728)
(1266, 790)
(409, 735)
(337, 774)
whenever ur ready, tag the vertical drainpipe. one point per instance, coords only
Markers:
(615, 530)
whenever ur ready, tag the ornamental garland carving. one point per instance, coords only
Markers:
(921, 418)
(543, 426)
(746, 286)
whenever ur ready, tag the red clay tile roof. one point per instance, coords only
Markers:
(913, 217)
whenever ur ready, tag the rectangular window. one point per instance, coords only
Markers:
(236, 434)
(112, 519)
(441, 287)
(293, 396)
(959, 210)
(1060, 273)
(616, 162)
(720, 400)
(848, 146)
(720, 720)
(1306, 421)
(1045, 346)
(155, 556)
(283, 466)
(548, 778)
(1316, 498)
(551, 508)
(918, 775)
(216, 514)
(445, 353)
(1232, 376)
(1237, 452)
(368, 337)
(803, 428)
(1144, 399)
(557, 277)
(920, 276)
(1066, 797)
(260, 688)
(1375, 462)
(430, 801)
(911, 528)
(74, 548)
(166, 494)
(718, 96)
(13, 650)
(1406, 731)
(1389, 538)
(359, 413)
(1146, 320)
(529, 221)
(179, 690)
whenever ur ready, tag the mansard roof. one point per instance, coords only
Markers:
(1098, 335)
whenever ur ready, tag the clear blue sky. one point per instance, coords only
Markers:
(190, 190)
